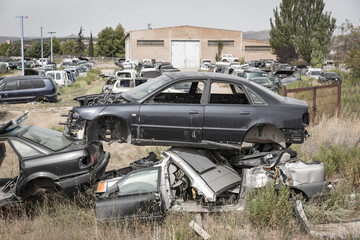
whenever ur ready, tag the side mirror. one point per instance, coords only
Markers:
(2, 152)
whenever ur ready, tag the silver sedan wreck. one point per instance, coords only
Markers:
(201, 180)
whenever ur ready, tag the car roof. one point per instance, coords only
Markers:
(204, 75)
(25, 77)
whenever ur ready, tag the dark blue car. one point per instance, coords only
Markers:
(27, 89)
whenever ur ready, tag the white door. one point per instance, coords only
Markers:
(185, 54)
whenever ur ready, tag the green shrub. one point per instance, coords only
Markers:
(335, 206)
(270, 208)
(341, 161)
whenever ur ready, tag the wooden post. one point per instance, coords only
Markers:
(339, 100)
(283, 91)
(314, 109)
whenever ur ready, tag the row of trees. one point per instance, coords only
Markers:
(301, 29)
(110, 43)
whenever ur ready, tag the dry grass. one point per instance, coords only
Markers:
(329, 132)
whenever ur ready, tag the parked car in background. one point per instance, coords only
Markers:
(149, 73)
(82, 70)
(42, 62)
(119, 61)
(249, 74)
(314, 72)
(217, 109)
(48, 162)
(265, 82)
(27, 89)
(71, 75)
(228, 58)
(109, 84)
(329, 77)
(75, 70)
(66, 64)
(4, 67)
(60, 77)
(125, 84)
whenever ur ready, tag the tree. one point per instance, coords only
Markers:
(68, 47)
(91, 46)
(220, 46)
(56, 46)
(3, 49)
(119, 41)
(282, 31)
(14, 49)
(80, 46)
(302, 25)
(111, 43)
(314, 31)
(347, 47)
(34, 51)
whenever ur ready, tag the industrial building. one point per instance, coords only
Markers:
(187, 46)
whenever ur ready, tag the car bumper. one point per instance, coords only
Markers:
(78, 183)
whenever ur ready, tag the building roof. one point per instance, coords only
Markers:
(182, 26)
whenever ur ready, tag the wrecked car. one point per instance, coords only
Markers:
(216, 109)
(48, 162)
(201, 180)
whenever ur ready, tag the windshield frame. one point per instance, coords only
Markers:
(141, 91)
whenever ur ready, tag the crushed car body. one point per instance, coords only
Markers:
(190, 109)
(200, 180)
(48, 161)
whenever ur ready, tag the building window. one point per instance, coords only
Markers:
(226, 43)
(150, 42)
(257, 48)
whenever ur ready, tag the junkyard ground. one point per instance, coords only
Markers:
(69, 220)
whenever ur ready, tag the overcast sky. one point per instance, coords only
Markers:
(65, 17)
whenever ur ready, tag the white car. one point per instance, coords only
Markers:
(314, 72)
(60, 77)
(125, 84)
(42, 62)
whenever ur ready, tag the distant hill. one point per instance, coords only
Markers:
(257, 35)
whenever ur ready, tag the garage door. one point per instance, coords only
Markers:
(185, 54)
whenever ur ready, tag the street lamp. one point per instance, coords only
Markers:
(51, 33)
(22, 42)
(42, 49)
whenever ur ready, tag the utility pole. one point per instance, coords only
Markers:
(22, 42)
(51, 33)
(42, 50)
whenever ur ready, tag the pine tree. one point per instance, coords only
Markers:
(91, 46)
(80, 46)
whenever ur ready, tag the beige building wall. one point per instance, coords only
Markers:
(241, 48)
(203, 35)
(255, 50)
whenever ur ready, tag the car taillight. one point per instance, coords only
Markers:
(101, 187)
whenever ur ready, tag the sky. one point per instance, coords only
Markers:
(65, 17)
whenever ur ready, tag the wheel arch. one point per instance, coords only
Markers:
(108, 128)
(265, 133)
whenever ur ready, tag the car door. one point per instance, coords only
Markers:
(137, 195)
(228, 113)
(25, 91)
(173, 114)
(8, 93)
